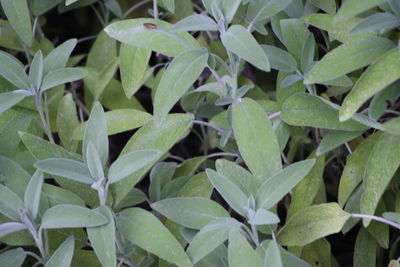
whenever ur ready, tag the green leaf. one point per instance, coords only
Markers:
(102, 239)
(260, 10)
(96, 132)
(13, 257)
(239, 176)
(36, 70)
(263, 217)
(376, 78)
(177, 79)
(275, 188)
(191, 212)
(39, 7)
(10, 203)
(318, 251)
(273, 255)
(239, 41)
(62, 257)
(11, 227)
(42, 149)
(280, 59)
(210, 237)
(169, 5)
(241, 253)
(354, 171)
(379, 102)
(59, 56)
(71, 216)
(334, 139)
(160, 175)
(195, 22)
(118, 121)
(303, 109)
(329, 6)
(284, 93)
(131, 162)
(364, 250)
(9, 140)
(151, 136)
(304, 193)
(96, 81)
(133, 62)
(312, 223)
(144, 230)
(393, 216)
(381, 166)
(57, 195)
(256, 139)
(32, 193)
(376, 22)
(17, 13)
(61, 76)
(351, 8)
(12, 70)
(348, 57)
(231, 193)
(338, 30)
(161, 39)
(295, 35)
(8, 100)
(93, 163)
(102, 52)
(67, 120)
(67, 168)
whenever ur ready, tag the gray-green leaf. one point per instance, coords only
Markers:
(192, 212)
(130, 163)
(61, 76)
(374, 79)
(12, 70)
(241, 253)
(350, 56)
(177, 79)
(62, 257)
(32, 193)
(102, 239)
(144, 230)
(239, 41)
(161, 39)
(71, 216)
(312, 223)
(17, 13)
(275, 188)
(67, 168)
(195, 22)
(256, 139)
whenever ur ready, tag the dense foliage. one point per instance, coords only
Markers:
(200, 133)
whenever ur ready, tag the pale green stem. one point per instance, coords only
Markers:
(376, 218)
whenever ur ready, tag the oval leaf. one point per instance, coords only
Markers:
(311, 224)
(17, 13)
(62, 257)
(239, 41)
(67, 168)
(144, 230)
(256, 139)
(275, 188)
(12, 70)
(376, 78)
(71, 216)
(177, 79)
(160, 39)
(130, 163)
(192, 212)
(348, 57)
